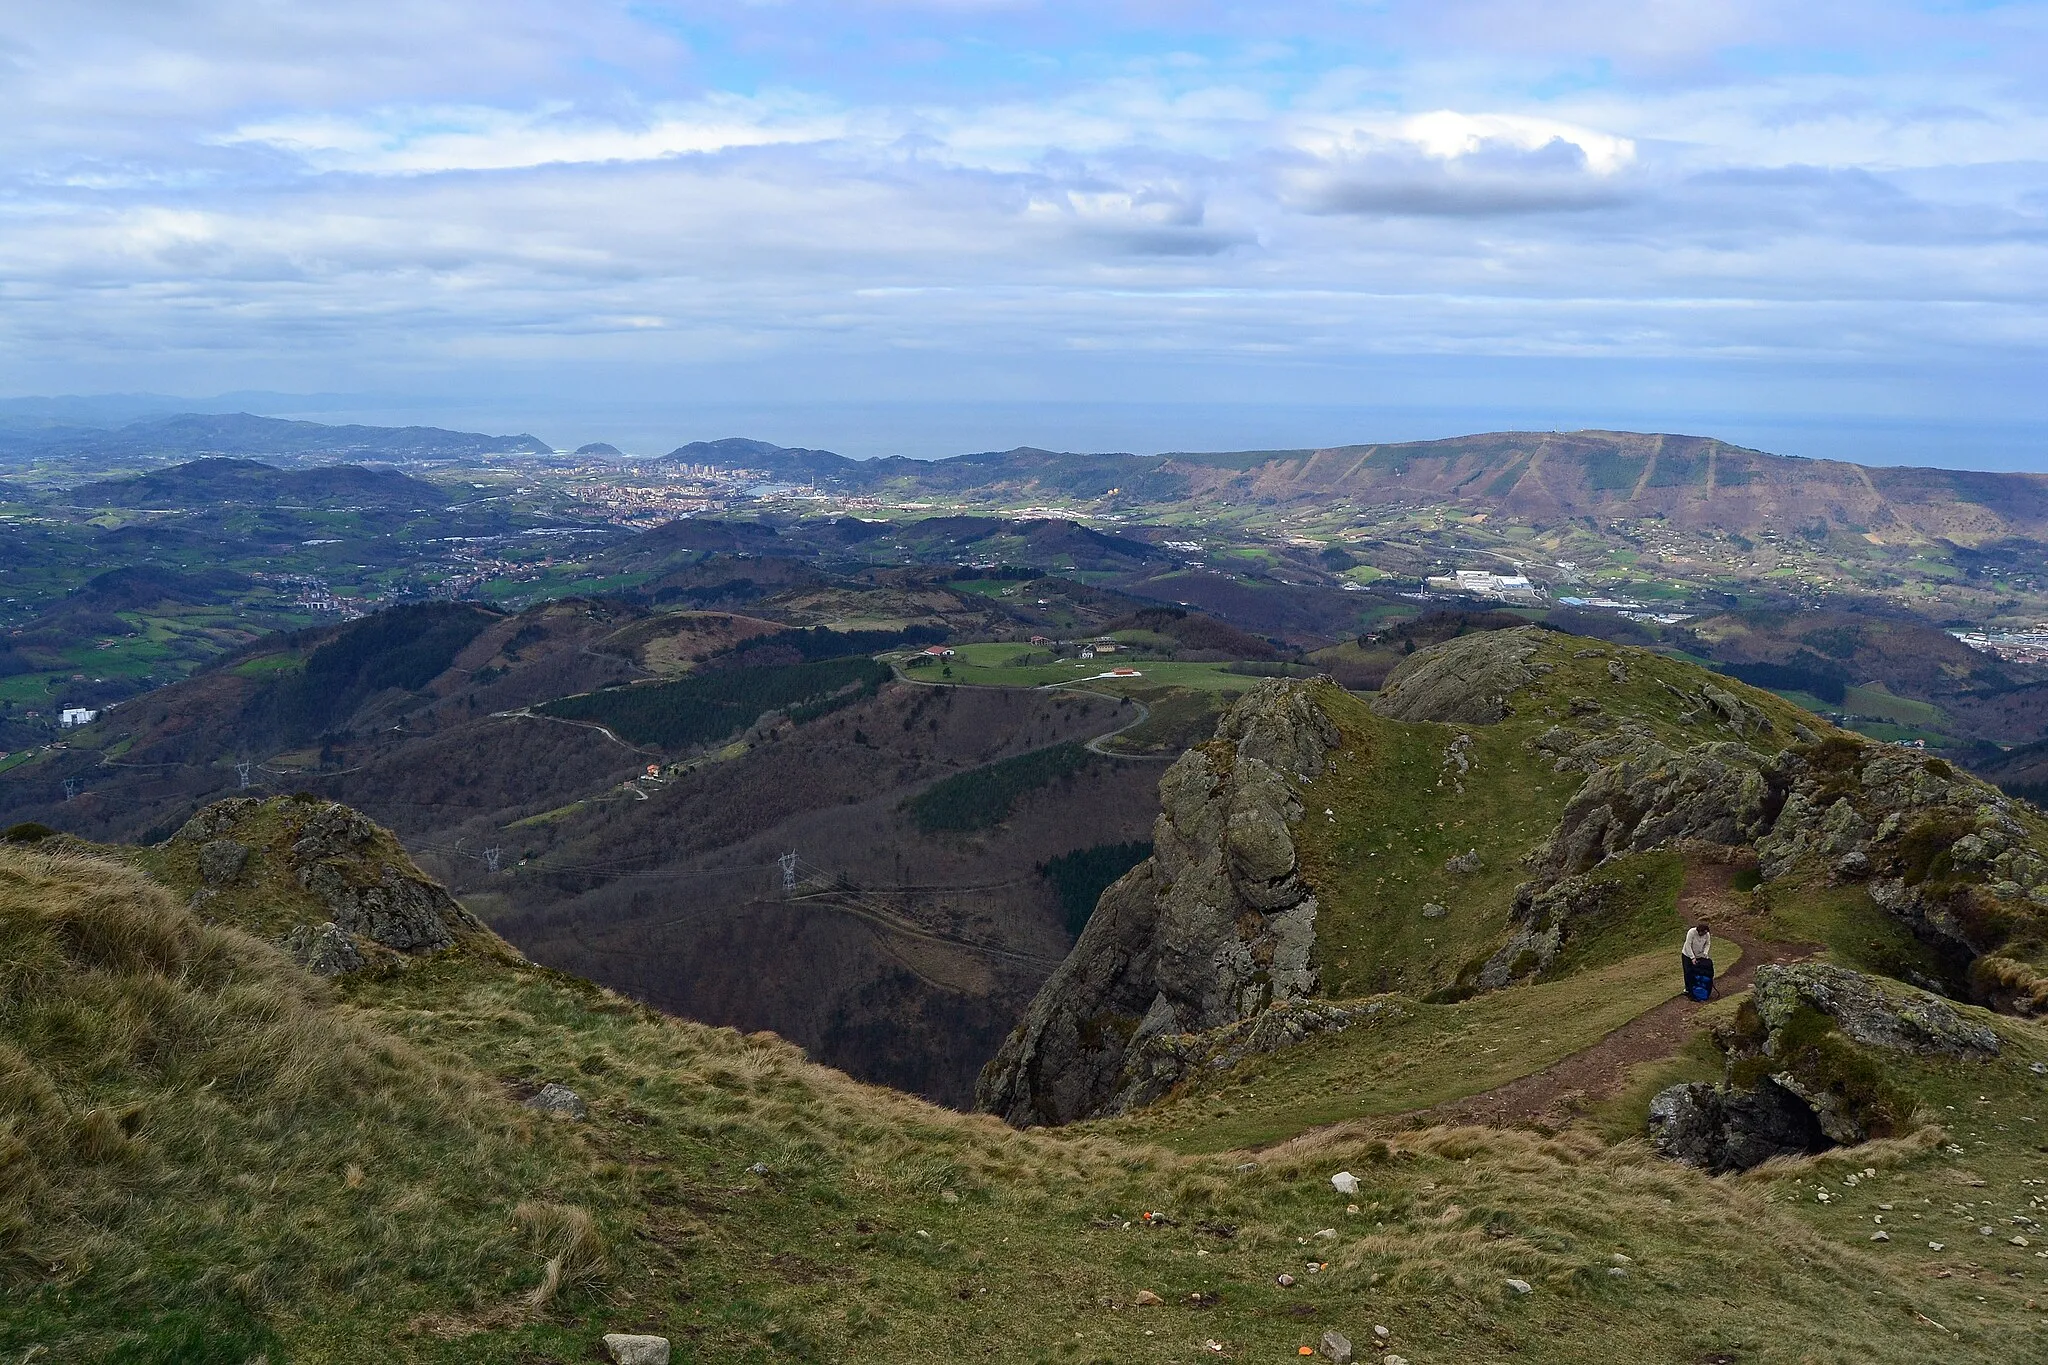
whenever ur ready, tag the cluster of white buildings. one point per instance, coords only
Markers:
(1480, 583)
(2013, 646)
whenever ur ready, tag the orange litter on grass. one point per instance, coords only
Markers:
(1306, 1351)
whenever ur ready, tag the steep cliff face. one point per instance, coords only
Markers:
(1213, 928)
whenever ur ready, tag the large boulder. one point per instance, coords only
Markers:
(1213, 928)
(1464, 681)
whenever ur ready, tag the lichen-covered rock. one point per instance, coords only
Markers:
(1717, 1128)
(1463, 681)
(216, 819)
(1641, 793)
(324, 950)
(1888, 1015)
(221, 861)
(404, 912)
(1213, 928)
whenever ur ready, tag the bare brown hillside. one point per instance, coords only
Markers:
(1691, 481)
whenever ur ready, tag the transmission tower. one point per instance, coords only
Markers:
(70, 787)
(788, 861)
(242, 772)
(491, 858)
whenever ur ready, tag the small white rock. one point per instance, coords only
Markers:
(1521, 1286)
(628, 1349)
(1880, 1236)
(1345, 1182)
(1937, 1246)
(1382, 1333)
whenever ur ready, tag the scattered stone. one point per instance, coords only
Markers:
(1382, 1333)
(1247, 1167)
(560, 1099)
(1618, 1272)
(1344, 1181)
(2020, 1242)
(1147, 1299)
(1937, 1246)
(1336, 1346)
(1393, 1360)
(1466, 863)
(758, 1168)
(221, 861)
(1880, 1236)
(2039, 1068)
(1521, 1286)
(1433, 911)
(1284, 1281)
(324, 951)
(628, 1349)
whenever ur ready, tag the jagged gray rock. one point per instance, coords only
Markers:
(1720, 1129)
(1213, 928)
(1641, 793)
(325, 950)
(221, 861)
(399, 911)
(1463, 681)
(1793, 1086)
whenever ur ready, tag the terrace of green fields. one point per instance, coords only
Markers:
(1013, 665)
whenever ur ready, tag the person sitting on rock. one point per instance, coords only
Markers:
(1696, 956)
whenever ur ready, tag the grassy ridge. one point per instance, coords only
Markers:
(344, 1175)
(712, 705)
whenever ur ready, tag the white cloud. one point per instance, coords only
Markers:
(449, 183)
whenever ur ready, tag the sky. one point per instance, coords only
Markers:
(929, 225)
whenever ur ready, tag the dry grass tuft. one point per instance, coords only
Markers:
(578, 1257)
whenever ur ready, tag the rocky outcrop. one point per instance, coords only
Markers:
(1887, 1015)
(1719, 1129)
(1464, 681)
(1641, 793)
(370, 896)
(324, 950)
(1805, 1070)
(1213, 928)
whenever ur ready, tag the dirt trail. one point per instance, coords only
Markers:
(1553, 1095)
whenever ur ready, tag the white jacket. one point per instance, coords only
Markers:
(1698, 944)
